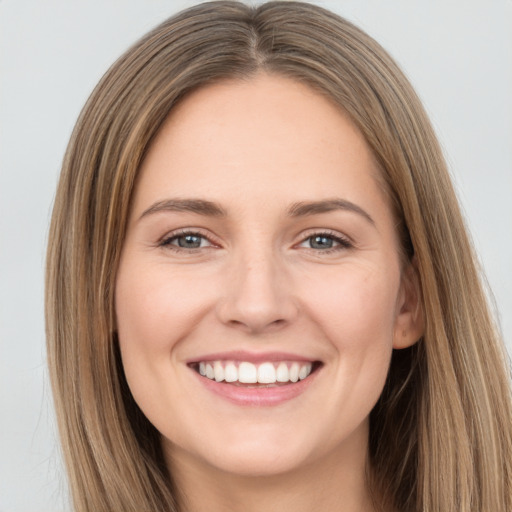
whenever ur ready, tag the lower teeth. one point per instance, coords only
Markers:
(258, 385)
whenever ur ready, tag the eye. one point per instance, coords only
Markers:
(326, 242)
(321, 242)
(186, 240)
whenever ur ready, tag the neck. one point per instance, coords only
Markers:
(332, 484)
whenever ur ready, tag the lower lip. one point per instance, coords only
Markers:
(257, 396)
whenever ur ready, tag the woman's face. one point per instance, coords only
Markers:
(260, 291)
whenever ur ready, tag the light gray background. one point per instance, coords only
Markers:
(458, 54)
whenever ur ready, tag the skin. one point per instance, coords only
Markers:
(258, 283)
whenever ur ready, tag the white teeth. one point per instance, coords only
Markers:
(304, 371)
(282, 374)
(266, 373)
(249, 373)
(230, 372)
(294, 372)
(218, 370)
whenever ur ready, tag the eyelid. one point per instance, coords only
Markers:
(327, 232)
(164, 242)
(343, 241)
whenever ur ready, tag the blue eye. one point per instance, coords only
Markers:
(325, 242)
(321, 242)
(186, 241)
(189, 241)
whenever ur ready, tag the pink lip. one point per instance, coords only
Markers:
(251, 357)
(257, 396)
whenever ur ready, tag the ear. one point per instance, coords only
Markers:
(409, 322)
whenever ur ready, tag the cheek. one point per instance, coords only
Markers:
(356, 312)
(155, 308)
(356, 306)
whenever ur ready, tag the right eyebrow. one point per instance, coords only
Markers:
(199, 206)
(317, 207)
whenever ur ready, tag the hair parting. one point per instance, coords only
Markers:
(440, 436)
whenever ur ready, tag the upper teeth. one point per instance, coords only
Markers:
(249, 373)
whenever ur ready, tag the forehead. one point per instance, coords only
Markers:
(269, 136)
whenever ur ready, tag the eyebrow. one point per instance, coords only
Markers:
(199, 206)
(299, 209)
(302, 209)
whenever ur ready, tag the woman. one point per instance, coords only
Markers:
(260, 292)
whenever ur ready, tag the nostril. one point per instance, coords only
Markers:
(257, 297)
(258, 325)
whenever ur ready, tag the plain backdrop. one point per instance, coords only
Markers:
(457, 53)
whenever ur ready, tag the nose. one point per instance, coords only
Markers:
(258, 295)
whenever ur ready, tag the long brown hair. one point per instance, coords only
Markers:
(440, 435)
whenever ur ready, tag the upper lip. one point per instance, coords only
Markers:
(251, 357)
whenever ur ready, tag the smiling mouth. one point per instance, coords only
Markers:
(247, 374)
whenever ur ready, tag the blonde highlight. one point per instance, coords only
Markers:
(440, 434)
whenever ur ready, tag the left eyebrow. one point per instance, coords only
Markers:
(316, 207)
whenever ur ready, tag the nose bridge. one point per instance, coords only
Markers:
(258, 292)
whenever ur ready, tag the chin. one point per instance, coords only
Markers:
(246, 456)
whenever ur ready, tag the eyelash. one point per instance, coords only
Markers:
(342, 243)
(167, 241)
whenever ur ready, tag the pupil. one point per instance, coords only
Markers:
(189, 241)
(321, 242)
